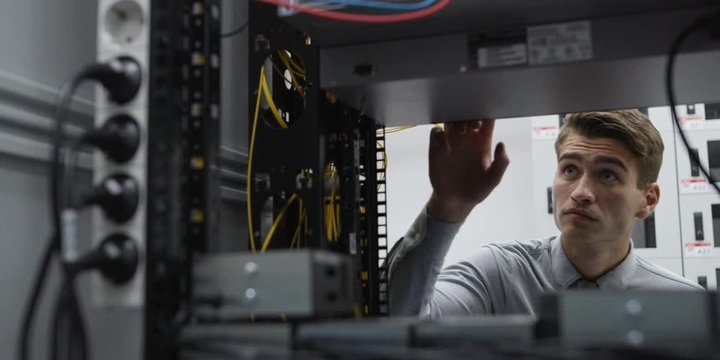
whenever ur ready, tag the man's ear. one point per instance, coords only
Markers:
(651, 197)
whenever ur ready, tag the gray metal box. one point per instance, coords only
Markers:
(633, 318)
(276, 284)
(496, 329)
(395, 332)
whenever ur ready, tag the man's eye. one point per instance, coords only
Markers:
(569, 170)
(608, 176)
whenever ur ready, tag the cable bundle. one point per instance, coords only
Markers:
(297, 74)
(400, 11)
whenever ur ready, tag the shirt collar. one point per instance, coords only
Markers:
(617, 278)
(564, 271)
(566, 274)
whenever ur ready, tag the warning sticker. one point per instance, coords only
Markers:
(559, 43)
(545, 127)
(699, 248)
(692, 122)
(694, 185)
(545, 132)
(506, 55)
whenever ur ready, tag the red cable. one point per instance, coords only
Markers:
(363, 18)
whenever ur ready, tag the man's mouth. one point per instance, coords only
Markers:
(579, 212)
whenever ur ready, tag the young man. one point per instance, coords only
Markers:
(608, 164)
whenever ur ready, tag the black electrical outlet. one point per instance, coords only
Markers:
(713, 148)
(712, 111)
(715, 209)
(694, 169)
(698, 221)
(650, 238)
(549, 200)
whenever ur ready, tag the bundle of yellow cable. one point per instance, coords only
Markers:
(331, 205)
(302, 225)
(276, 223)
(296, 70)
(264, 92)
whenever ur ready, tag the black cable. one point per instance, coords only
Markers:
(238, 30)
(68, 328)
(53, 246)
(68, 332)
(56, 181)
(699, 24)
(106, 73)
(58, 201)
(29, 311)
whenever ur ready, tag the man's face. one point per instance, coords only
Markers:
(596, 194)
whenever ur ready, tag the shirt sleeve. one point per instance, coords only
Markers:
(417, 286)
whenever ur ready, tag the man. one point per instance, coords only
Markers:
(608, 164)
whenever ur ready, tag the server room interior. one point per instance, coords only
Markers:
(33, 66)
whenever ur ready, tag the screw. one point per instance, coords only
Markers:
(251, 268)
(633, 307)
(635, 337)
(250, 294)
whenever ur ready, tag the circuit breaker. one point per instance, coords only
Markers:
(698, 202)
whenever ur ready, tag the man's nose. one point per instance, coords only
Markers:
(583, 191)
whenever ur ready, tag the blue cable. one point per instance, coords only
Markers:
(384, 5)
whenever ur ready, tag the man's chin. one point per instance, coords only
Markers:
(576, 231)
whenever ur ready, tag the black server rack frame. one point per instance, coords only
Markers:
(292, 161)
(183, 125)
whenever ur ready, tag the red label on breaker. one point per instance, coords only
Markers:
(692, 122)
(693, 185)
(545, 132)
(698, 248)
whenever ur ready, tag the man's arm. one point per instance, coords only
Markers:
(417, 284)
(462, 173)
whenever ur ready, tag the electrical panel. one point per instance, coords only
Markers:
(544, 132)
(662, 225)
(699, 203)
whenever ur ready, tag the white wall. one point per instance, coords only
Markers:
(506, 215)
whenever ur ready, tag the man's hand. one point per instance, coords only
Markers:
(462, 170)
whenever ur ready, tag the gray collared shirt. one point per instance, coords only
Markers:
(499, 278)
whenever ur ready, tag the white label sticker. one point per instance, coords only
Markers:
(545, 127)
(694, 185)
(692, 122)
(502, 56)
(559, 43)
(545, 132)
(699, 248)
(691, 117)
